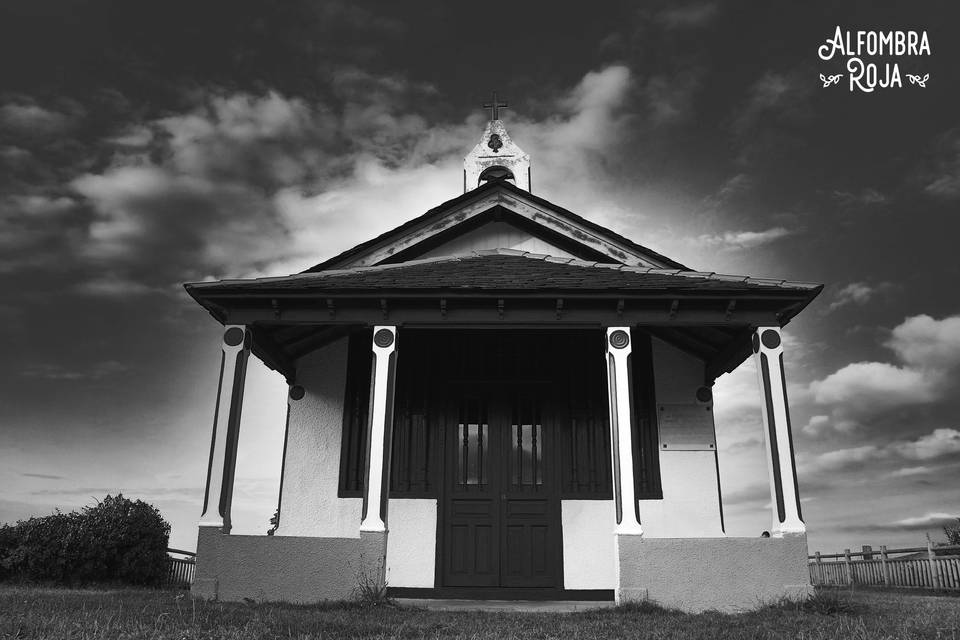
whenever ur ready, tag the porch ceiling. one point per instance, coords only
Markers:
(707, 315)
(280, 346)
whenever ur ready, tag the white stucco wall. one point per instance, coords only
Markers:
(691, 501)
(412, 542)
(310, 505)
(589, 554)
(690, 507)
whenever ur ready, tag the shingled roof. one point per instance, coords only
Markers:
(504, 270)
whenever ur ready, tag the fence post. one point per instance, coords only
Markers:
(883, 564)
(932, 559)
(820, 578)
(846, 564)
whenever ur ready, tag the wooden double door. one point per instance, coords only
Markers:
(500, 520)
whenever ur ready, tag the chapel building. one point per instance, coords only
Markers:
(502, 399)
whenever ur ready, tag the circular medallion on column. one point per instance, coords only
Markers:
(297, 392)
(756, 343)
(704, 394)
(383, 338)
(619, 339)
(770, 339)
(233, 336)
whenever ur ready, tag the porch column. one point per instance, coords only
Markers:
(379, 430)
(235, 349)
(620, 394)
(777, 435)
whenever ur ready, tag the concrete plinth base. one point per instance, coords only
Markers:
(726, 574)
(276, 568)
(373, 559)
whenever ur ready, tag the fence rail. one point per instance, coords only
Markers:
(927, 567)
(180, 570)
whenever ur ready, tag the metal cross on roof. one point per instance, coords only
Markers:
(495, 107)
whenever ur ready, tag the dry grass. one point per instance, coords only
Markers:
(172, 615)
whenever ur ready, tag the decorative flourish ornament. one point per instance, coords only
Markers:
(918, 80)
(829, 80)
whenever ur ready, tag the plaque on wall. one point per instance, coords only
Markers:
(686, 427)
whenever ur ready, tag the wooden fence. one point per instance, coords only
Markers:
(180, 570)
(927, 567)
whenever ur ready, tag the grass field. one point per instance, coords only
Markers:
(173, 615)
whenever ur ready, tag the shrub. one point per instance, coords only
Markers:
(952, 531)
(117, 540)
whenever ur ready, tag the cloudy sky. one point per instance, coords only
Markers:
(147, 144)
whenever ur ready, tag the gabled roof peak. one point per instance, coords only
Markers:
(490, 199)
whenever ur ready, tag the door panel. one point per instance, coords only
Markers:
(530, 503)
(471, 551)
(502, 495)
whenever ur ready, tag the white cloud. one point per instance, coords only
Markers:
(842, 458)
(857, 293)
(929, 350)
(156, 225)
(26, 116)
(940, 443)
(735, 186)
(695, 14)
(906, 472)
(744, 239)
(93, 371)
(864, 197)
(246, 185)
(873, 385)
(924, 342)
(774, 95)
(943, 181)
(112, 286)
(817, 425)
(352, 210)
(669, 99)
(926, 521)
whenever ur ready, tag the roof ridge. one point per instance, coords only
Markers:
(503, 191)
(516, 253)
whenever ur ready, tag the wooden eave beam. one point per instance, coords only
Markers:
(789, 299)
(492, 313)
